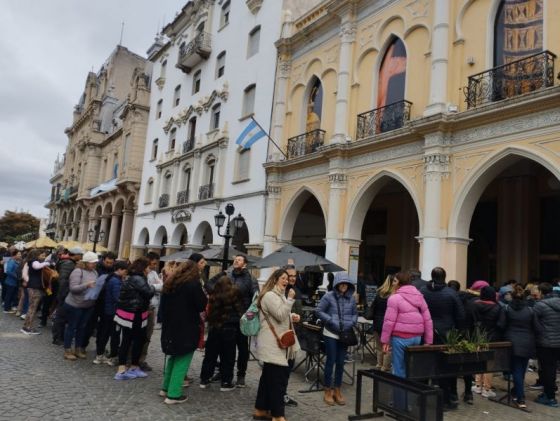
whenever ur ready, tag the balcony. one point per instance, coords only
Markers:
(188, 146)
(510, 80)
(183, 197)
(383, 119)
(306, 143)
(195, 51)
(206, 192)
(164, 200)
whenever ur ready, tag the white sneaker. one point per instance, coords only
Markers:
(100, 359)
(476, 389)
(487, 393)
(22, 317)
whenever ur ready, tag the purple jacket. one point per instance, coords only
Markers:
(407, 314)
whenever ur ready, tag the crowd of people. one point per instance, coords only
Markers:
(122, 302)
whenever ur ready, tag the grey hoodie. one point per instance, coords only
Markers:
(547, 321)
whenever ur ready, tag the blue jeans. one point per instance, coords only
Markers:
(399, 345)
(10, 300)
(518, 368)
(336, 353)
(77, 319)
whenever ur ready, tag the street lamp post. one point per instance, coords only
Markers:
(95, 235)
(220, 220)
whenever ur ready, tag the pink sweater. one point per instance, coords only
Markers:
(407, 316)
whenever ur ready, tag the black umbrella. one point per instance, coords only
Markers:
(303, 260)
(216, 253)
(178, 255)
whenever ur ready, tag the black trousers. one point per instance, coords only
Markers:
(272, 388)
(46, 304)
(220, 342)
(132, 337)
(106, 329)
(59, 323)
(242, 353)
(548, 360)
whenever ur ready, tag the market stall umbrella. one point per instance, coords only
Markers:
(216, 253)
(98, 249)
(41, 243)
(178, 256)
(68, 244)
(303, 260)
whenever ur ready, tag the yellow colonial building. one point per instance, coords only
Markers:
(419, 133)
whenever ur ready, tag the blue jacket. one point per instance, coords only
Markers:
(327, 310)
(112, 292)
(12, 273)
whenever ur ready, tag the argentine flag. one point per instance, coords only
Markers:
(250, 135)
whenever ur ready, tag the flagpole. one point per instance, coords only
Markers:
(269, 138)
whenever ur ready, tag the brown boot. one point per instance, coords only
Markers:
(329, 400)
(81, 353)
(338, 398)
(69, 355)
(262, 415)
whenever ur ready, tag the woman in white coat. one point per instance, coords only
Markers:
(273, 383)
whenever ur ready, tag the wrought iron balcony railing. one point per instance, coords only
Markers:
(206, 192)
(512, 79)
(383, 119)
(306, 143)
(182, 197)
(188, 145)
(164, 200)
(195, 51)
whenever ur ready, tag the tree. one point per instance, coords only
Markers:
(15, 226)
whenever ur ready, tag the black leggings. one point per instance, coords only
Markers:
(272, 388)
(135, 336)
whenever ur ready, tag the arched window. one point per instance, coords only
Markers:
(392, 74)
(196, 81)
(172, 138)
(220, 64)
(253, 41)
(224, 18)
(314, 106)
(163, 69)
(154, 149)
(149, 190)
(215, 122)
(167, 182)
(159, 106)
(249, 100)
(177, 95)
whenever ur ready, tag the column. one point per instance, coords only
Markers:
(440, 43)
(84, 226)
(347, 37)
(155, 199)
(436, 163)
(174, 184)
(126, 233)
(196, 177)
(112, 243)
(277, 132)
(219, 169)
(270, 240)
(75, 231)
(105, 229)
(337, 182)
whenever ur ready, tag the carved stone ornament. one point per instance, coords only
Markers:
(284, 68)
(254, 5)
(338, 178)
(273, 189)
(348, 32)
(436, 165)
(181, 215)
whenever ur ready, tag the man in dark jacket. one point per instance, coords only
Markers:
(547, 321)
(247, 286)
(416, 278)
(447, 313)
(65, 266)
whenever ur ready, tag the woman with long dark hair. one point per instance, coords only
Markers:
(182, 301)
(224, 312)
(275, 312)
(132, 318)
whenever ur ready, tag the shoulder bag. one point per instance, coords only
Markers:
(346, 337)
(286, 339)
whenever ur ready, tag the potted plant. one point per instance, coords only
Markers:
(472, 347)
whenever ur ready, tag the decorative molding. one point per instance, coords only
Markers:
(254, 5)
(284, 68)
(307, 172)
(436, 166)
(273, 189)
(387, 154)
(418, 8)
(160, 82)
(338, 179)
(367, 34)
(348, 32)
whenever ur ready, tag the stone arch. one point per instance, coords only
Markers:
(309, 71)
(179, 232)
(293, 209)
(98, 211)
(203, 234)
(312, 80)
(387, 23)
(71, 216)
(459, 20)
(64, 217)
(108, 208)
(119, 206)
(294, 97)
(360, 204)
(474, 185)
(160, 237)
(363, 56)
(144, 237)
(79, 214)
(413, 28)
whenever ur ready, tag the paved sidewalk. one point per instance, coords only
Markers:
(36, 383)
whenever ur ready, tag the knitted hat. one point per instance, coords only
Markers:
(90, 257)
(478, 285)
(488, 294)
(196, 257)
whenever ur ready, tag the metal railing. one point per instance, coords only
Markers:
(383, 119)
(183, 197)
(164, 200)
(201, 45)
(188, 145)
(512, 79)
(206, 192)
(306, 143)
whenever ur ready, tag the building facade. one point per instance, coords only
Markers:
(96, 185)
(420, 133)
(214, 68)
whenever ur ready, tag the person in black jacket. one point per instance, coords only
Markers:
(224, 312)
(516, 320)
(447, 313)
(182, 299)
(132, 318)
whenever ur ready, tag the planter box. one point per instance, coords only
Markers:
(466, 357)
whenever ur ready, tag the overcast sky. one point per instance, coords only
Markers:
(47, 47)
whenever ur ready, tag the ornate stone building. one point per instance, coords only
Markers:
(97, 184)
(420, 133)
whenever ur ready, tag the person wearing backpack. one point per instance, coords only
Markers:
(77, 308)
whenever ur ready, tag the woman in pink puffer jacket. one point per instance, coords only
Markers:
(407, 321)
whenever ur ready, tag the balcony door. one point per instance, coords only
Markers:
(391, 86)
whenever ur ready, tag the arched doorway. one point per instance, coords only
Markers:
(309, 230)
(160, 239)
(203, 234)
(240, 238)
(179, 236)
(514, 228)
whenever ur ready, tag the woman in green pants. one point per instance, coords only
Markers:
(182, 301)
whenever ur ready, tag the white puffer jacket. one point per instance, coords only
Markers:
(278, 309)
